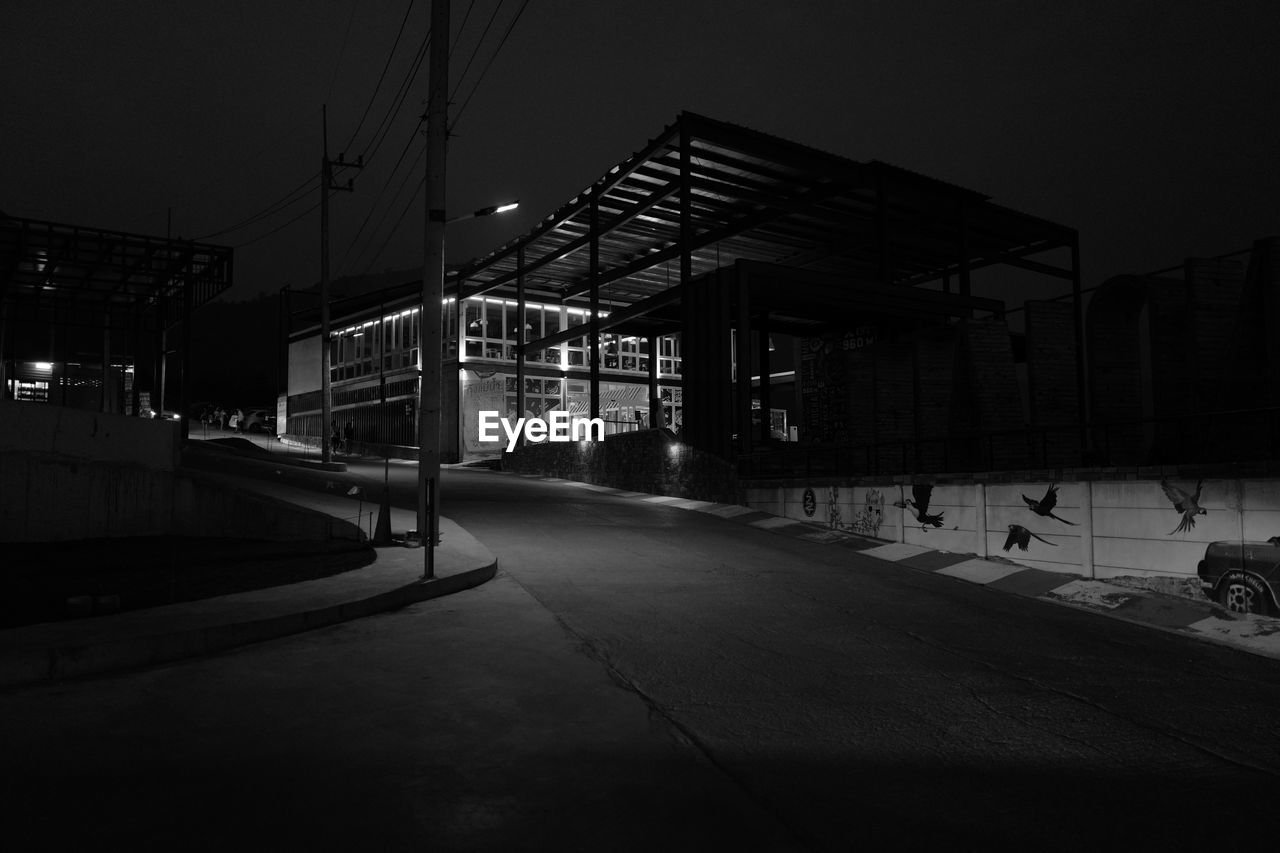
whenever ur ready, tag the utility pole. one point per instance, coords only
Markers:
(433, 290)
(326, 185)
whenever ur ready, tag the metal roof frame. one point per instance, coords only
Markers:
(83, 275)
(69, 289)
(706, 193)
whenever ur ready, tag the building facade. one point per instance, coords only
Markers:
(708, 285)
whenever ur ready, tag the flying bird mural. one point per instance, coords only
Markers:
(1045, 505)
(1021, 536)
(1188, 505)
(919, 502)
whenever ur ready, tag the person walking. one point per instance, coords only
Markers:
(349, 435)
(335, 437)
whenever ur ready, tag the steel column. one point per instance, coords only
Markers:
(686, 287)
(104, 403)
(520, 336)
(184, 378)
(593, 343)
(657, 419)
(766, 421)
(743, 354)
(964, 254)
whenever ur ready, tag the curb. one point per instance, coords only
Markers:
(214, 447)
(1202, 620)
(24, 666)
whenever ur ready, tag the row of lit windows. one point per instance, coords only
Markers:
(545, 395)
(491, 333)
(372, 346)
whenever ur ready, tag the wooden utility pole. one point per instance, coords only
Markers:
(433, 290)
(326, 404)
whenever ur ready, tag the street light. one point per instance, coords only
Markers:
(485, 211)
(429, 383)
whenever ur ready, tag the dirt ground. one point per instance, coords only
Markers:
(50, 581)
(1182, 586)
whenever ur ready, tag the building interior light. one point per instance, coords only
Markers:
(44, 365)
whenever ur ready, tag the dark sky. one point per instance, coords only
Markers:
(1151, 127)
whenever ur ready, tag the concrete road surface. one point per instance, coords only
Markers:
(643, 677)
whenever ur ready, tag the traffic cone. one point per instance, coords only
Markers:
(382, 533)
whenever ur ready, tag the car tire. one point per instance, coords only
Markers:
(1237, 597)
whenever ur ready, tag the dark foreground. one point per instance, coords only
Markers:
(52, 581)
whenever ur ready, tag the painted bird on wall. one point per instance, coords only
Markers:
(1021, 536)
(1188, 505)
(919, 501)
(1045, 505)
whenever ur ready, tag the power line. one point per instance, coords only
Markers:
(466, 16)
(396, 227)
(485, 70)
(280, 227)
(287, 200)
(378, 86)
(475, 50)
(384, 126)
(377, 199)
(220, 178)
(333, 78)
(409, 174)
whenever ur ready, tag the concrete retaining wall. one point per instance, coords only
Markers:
(46, 499)
(1118, 527)
(67, 474)
(93, 436)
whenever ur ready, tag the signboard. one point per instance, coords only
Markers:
(810, 503)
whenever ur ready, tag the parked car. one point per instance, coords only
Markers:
(1242, 576)
(257, 420)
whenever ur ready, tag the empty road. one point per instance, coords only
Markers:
(640, 677)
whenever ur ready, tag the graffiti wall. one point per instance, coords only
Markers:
(1040, 525)
(941, 517)
(1098, 529)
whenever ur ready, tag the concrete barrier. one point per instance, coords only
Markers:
(67, 474)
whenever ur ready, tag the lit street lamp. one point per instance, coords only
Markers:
(429, 355)
(486, 211)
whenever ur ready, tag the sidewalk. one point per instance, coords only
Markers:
(54, 650)
(1199, 618)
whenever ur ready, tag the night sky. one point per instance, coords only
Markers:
(1151, 127)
